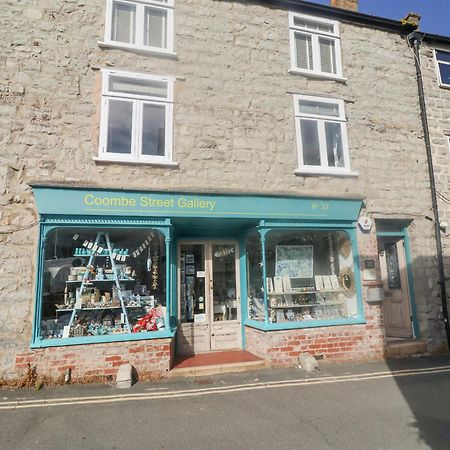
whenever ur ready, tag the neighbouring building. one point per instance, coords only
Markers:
(183, 177)
(434, 54)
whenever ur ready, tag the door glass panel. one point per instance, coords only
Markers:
(192, 283)
(393, 269)
(225, 305)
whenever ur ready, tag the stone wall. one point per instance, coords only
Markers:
(438, 112)
(233, 126)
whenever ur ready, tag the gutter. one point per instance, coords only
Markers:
(416, 39)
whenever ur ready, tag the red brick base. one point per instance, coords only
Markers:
(337, 343)
(151, 358)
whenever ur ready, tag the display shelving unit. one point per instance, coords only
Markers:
(102, 238)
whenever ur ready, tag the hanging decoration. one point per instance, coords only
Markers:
(155, 270)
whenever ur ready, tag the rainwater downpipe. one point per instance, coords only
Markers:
(416, 39)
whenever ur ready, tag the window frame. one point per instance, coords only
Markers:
(321, 119)
(167, 6)
(138, 102)
(315, 34)
(438, 69)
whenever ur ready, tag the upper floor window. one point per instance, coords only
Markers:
(321, 135)
(443, 64)
(136, 124)
(315, 46)
(140, 24)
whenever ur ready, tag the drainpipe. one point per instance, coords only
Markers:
(416, 39)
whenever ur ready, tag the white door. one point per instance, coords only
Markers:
(397, 307)
(209, 304)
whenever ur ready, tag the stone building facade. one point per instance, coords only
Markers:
(234, 133)
(434, 55)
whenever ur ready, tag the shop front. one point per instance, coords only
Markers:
(160, 274)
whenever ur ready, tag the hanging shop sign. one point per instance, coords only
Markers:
(74, 201)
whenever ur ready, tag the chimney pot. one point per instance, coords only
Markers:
(345, 4)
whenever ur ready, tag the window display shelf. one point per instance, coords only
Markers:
(323, 291)
(97, 308)
(311, 305)
(86, 283)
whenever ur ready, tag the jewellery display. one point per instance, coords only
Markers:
(302, 282)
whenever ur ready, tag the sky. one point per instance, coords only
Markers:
(435, 13)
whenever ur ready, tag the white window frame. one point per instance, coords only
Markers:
(323, 169)
(437, 62)
(140, 8)
(138, 101)
(315, 34)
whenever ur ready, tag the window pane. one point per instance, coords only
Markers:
(333, 134)
(136, 86)
(310, 142)
(121, 288)
(327, 55)
(304, 51)
(311, 25)
(255, 277)
(123, 23)
(120, 120)
(153, 130)
(443, 56)
(445, 73)
(319, 108)
(155, 27)
(310, 276)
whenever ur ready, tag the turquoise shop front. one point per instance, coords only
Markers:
(198, 270)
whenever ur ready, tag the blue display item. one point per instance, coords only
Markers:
(70, 201)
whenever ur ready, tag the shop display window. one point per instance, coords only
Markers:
(255, 277)
(103, 281)
(309, 276)
(301, 276)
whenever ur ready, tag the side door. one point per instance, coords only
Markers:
(397, 307)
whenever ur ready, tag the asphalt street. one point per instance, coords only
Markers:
(400, 404)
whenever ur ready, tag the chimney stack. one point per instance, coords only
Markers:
(345, 4)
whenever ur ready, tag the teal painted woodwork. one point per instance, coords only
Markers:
(70, 201)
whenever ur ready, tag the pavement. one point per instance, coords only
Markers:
(396, 404)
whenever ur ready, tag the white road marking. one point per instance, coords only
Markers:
(27, 404)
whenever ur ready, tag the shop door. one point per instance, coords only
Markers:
(209, 305)
(397, 307)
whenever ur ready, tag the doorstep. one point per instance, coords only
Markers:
(397, 348)
(204, 364)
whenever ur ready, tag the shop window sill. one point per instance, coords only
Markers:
(85, 340)
(139, 50)
(300, 325)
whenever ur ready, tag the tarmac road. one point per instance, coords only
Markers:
(402, 404)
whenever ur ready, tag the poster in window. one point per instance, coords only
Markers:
(294, 261)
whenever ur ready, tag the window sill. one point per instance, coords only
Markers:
(307, 171)
(84, 340)
(138, 50)
(318, 75)
(139, 163)
(444, 86)
(300, 325)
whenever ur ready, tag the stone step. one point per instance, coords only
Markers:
(405, 347)
(214, 369)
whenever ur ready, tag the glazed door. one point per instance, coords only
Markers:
(224, 295)
(209, 308)
(193, 334)
(397, 308)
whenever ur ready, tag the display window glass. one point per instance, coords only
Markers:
(255, 277)
(103, 281)
(309, 276)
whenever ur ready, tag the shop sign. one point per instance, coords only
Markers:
(70, 201)
(365, 223)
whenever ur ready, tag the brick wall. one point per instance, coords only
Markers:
(339, 343)
(151, 358)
